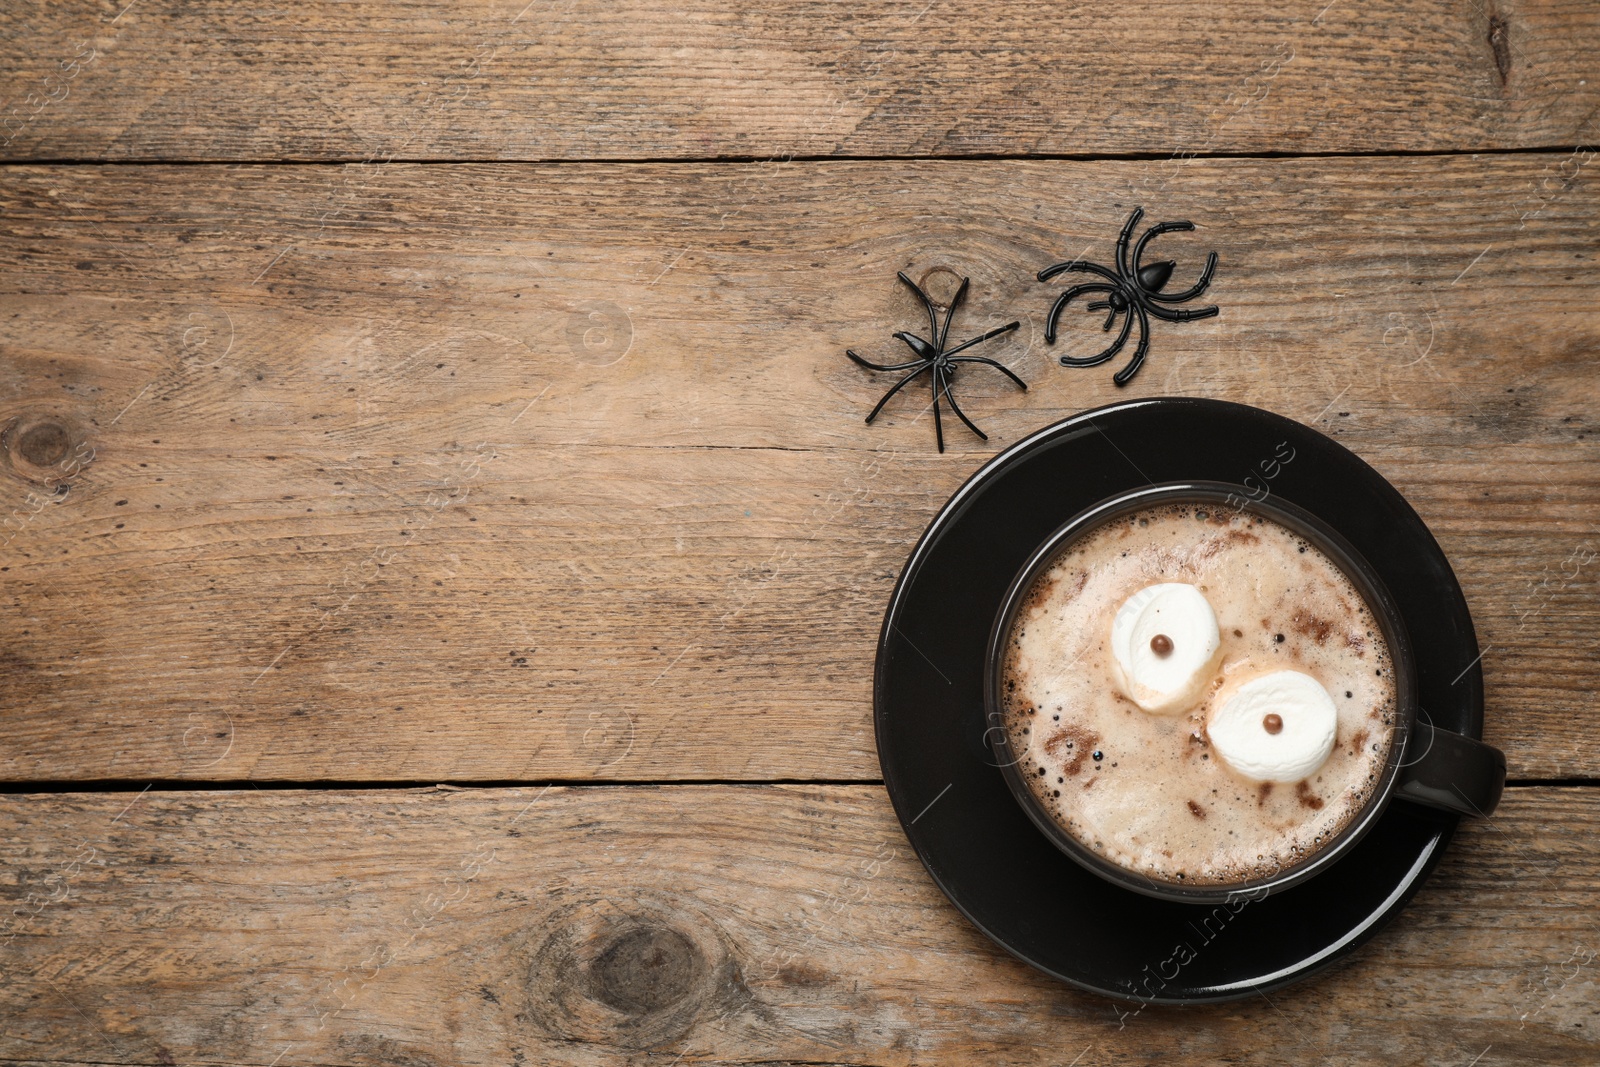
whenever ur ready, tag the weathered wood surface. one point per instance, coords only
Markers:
(587, 79)
(516, 473)
(511, 473)
(695, 924)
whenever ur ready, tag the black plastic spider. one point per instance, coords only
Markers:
(932, 356)
(1133, 289)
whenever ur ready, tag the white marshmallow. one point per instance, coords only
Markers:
(1165, 684)
(1310, 720)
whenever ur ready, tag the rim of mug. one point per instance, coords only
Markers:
(1350, 563)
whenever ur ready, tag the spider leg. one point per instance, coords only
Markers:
(1098, 304)
(1124, 238)
(1061, 305)
(1112, 350)
(1007, 328)
(1151, 234)
(1123, 376)
(955, 301)
(933, 318)
(895, 389)
(1181, 314)
(1056, 268)
(1194, 290)
(1079, 265)
(881, 366)
(996, 364)
(962, 415)
(938, 427)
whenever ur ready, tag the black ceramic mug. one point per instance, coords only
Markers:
(1425, 765)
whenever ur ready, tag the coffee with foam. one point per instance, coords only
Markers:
(1199, 696)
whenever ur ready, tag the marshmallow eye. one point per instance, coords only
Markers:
(1165, 643)
(1277, 727)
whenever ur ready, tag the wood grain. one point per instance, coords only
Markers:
(648, 79)
(749, 924)
(482, 472)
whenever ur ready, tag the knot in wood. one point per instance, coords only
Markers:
(44, 444)
(634, 973)
(940, 283)
(44, 448)
(646, 969)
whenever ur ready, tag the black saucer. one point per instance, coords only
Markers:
(975, 840)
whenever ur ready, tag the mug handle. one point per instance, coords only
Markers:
(1454, 772)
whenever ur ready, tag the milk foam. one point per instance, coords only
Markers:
(1147, 791)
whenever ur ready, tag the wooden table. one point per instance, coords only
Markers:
(443, 552)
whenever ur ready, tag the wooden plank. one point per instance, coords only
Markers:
(763, 924)
(700, 79)
(520, 473)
